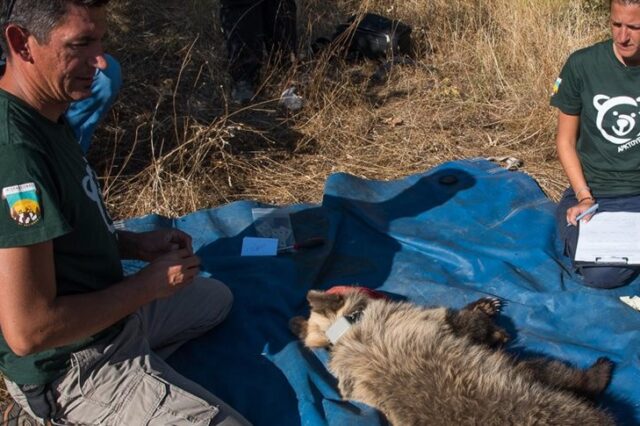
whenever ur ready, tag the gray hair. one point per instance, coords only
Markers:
(38, 16)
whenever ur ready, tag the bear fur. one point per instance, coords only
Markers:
(438, 366)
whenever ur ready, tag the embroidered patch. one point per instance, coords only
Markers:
(556, 85)
(23, 203)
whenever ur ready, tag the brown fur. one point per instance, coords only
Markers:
(436, 366)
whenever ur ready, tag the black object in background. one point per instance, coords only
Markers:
(375, 36)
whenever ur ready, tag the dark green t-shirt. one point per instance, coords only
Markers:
(605, 93)
(49, 192)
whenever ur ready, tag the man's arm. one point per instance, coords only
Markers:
(34, 319)
(150, 245)
(566, 139)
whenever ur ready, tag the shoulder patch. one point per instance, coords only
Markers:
(556, 85)
(23, 202)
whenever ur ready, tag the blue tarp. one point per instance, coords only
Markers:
(448, 236)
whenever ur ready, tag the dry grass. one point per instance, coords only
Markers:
(480, 86)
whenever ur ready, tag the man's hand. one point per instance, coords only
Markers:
(33, 318)
(169, 273)
(573, 212)
(149, 246)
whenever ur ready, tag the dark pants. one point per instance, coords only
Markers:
(596, 276)
(252, 27)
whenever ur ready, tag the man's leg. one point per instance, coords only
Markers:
(186, 315)
(17, 412)
(279, 19)
(241, 22)
(191, 312)
(125, 382)
(84, 116)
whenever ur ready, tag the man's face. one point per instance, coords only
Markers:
(625, 30)
(65, 65)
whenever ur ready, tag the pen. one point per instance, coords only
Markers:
(311, 242)
(588, 211)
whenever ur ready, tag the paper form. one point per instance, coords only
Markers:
(610, 237)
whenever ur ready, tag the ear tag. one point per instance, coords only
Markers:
(337, 329)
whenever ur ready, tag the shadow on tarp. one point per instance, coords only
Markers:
(491, 232)
(269, 291)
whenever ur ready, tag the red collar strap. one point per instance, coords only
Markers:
(344, 289)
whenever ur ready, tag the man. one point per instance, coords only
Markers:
(251, 27)
(597, 139)
(79, 343)
(85, 115)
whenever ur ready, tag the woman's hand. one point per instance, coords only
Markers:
(582, 206)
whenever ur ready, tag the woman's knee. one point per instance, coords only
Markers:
(607, 277)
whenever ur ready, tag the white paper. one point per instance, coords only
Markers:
(634, 301)
(252, 246)
(610, 237)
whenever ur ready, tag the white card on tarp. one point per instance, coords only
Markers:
(610, 238)
(252, 246)
(634, 301)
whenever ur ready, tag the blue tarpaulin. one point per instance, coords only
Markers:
(448, 236)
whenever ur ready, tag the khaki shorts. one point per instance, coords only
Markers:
(127, 381)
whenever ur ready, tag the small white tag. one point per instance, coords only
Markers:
(634, 301)
(252, 246)
(337, 329)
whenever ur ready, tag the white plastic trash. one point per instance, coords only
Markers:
(291, 100)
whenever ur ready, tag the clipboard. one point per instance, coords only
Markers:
(609, 239)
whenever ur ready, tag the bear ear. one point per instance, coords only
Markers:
(597, 101)
(299, 327)
(321, 301)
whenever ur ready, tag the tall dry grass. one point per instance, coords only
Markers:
(479, 86)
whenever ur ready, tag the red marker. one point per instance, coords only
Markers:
(310, 243)
(344, 289)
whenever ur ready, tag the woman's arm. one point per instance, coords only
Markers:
(566, 140)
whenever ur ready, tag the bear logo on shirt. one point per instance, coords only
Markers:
(618, 118)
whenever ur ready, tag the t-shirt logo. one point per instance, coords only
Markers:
(556, 85)
(92, 189)
(617, 118)
(24, 205)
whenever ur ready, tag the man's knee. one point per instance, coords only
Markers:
(215, 296)
(607, 277)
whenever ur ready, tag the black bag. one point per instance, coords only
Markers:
(375, 36)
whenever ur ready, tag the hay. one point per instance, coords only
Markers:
(479, 86)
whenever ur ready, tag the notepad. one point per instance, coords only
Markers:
(609, 238)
